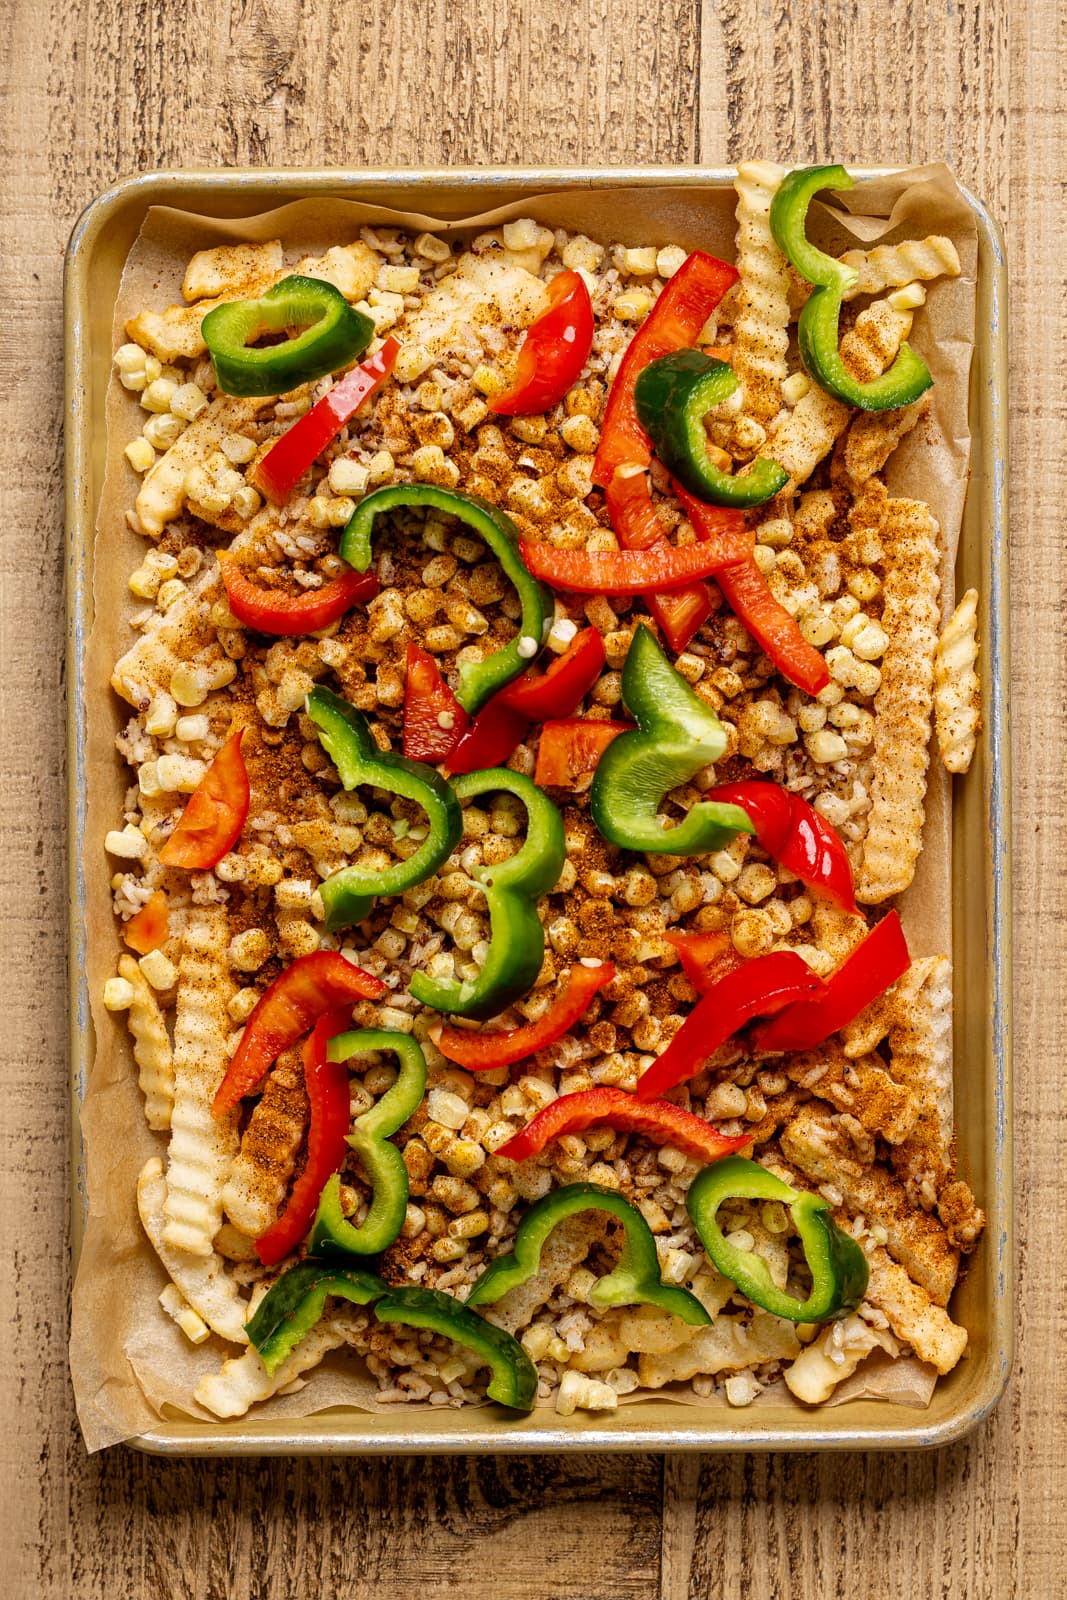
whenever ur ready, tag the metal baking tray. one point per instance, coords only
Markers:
(981, 866)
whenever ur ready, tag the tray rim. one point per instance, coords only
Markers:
(373, 1435)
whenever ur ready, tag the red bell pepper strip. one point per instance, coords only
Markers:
(759, 987)
(534, 696)
(663, 566)
(489, 741)
(561, 689)
(149, 929)
(326, 1083)
(880, 960)
(674, 323)
(214, 814)
(570, 749)
(745, 590)
(658, 1120)
(792, 831)
(485, 1052)
(633, 516)
(286, 615)
(291, 1005)
(705, 957)
(434, 720)
(287, 460)
(554, 351)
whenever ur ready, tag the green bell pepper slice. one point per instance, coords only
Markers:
(634, 1281)
(818, 328)
(514, 1380)
(676, 735)
(345, 735)
(332, 1234)
(334, 334)
(478, 680)
(295, 1302)
(673, 395)
(839, 1270)
(512, 887)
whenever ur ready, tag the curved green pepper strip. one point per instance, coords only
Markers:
(512, 887)
(634, 1281)
(514, 1380)
(332, 1234)
(677, 734)
(818, 328)
(478, 680)
(345, 735)
(839, 1270)
(296, 1301)
(336, 336)
(673, 395)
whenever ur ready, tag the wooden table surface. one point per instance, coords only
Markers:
(94, 89)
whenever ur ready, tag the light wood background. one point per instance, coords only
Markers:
(92, 89)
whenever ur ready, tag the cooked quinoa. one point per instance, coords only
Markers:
(862, 1119)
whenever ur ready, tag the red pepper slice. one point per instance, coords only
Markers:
(570, 749)
(745, 590)
(326, 1083)
(485, 1052)
(705, 957)
(554, 351)
(288, 460)
(214, 814)
(758, 988)
(150, 928)
(562, 688)
(285, 1011)
(490, 740)
(792, 831)
(662, 566)
(534, 696)
(674, 323)
(427, 698)
(658, 1120)
(286, 615)
(880, 960)
(633, 516)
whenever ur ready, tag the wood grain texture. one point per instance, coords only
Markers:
(92, 89)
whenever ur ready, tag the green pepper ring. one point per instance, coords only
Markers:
(673, 395)
(838, 1266)
(818, 327)
(336, 336)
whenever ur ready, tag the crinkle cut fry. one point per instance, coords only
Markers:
(872, 438)
(957, 707)
(242, 1381)
(202, 1147)
(822, 1151)
(761, 327)
(225, 270)
(891, 266)
(265, 1162)
(202, 1279)
(151, 1047)
(807, 433)
(903, 704)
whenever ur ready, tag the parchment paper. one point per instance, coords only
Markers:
(130, 1364)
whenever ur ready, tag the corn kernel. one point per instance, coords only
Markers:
(130, 365)
(118, 994)
(795, 388)
(907, 298)
(189, 685)
(824, 746)
(169, 592)
(140, 455)
(669, 259)
(430, 465)
(523, 234)
(148, 780)
(642, 263)
(399, 280)
(632, 306)
(536, 1339)
(582, 254)
(179, 774)
(158, 394)
(578, 1392)
(242, 1005)
(160, 718)
(487, 380)
(470, 1225)
(163, 430)
(348, 477)
(449, 1109)
(431, 248)
(161, 973)
(130, 844)
(249, 950)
